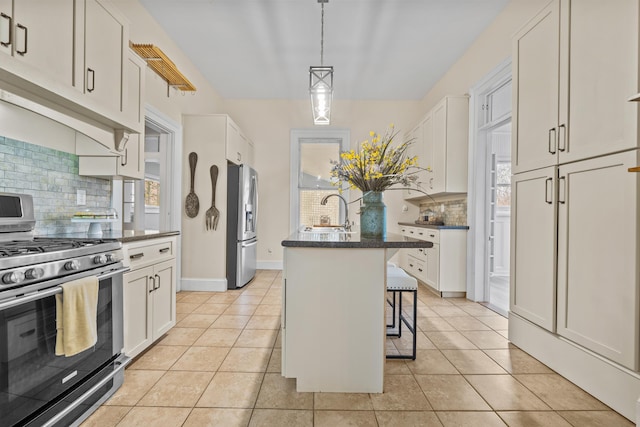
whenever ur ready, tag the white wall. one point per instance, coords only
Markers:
(490, 49)
(144, 29)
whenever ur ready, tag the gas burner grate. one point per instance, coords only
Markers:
(45, 244)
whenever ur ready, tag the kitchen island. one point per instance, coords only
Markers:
(333, 313)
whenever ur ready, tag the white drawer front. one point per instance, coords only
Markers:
(429, 235)
(141, 254)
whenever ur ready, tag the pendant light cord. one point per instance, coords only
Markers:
(322, 35)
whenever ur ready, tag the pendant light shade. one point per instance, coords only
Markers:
(321, 82)
(321, 91)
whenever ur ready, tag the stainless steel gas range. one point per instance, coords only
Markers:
(38, 388)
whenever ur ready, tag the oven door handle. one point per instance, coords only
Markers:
(122, 362)
(50, 292)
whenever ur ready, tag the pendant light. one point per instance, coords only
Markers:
(321, 82)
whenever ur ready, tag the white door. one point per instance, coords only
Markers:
(498, 216)
(494, 170)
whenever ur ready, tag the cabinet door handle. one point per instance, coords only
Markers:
(548, 199)
(152, 279)
(9, 22)
(432, 235)
(239, 156)
(410, 265)
(154, 282)
(164, 250)
(136, 256)
(26, 32)
(562, 137)
(124, 159)
(562, 192)
(552, 140)
(411, 231)
(431, 183)
(420, 270)
(92, 73)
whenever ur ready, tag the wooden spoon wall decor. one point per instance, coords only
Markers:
(192, 204)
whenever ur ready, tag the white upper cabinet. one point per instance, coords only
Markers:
(450, 146)
(70, 56)
(441, 146)
(417, 148)
(40, 34)
(599, 72)
(535, 83)
(237, 145)
(575, 66)
(104, 44)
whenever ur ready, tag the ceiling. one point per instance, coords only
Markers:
(380, 49)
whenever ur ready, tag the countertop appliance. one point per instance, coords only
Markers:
(38, 388)
(242, 218)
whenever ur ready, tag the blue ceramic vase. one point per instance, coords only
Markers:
(373, 216)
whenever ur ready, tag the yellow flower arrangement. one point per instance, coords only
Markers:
(376, 165)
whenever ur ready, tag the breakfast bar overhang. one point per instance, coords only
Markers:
(333, 311)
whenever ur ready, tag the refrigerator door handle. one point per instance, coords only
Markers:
(249, 244)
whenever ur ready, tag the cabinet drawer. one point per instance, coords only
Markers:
(409, 231)
(420, 254)
(429, 235)
(137, 255)
(417, 268)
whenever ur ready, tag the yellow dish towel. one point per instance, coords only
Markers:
(76, 316)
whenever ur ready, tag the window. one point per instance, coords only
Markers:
(314, 182)
(151, 193)
(503, 185)
(311, 154)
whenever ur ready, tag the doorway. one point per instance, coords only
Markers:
(490, 190)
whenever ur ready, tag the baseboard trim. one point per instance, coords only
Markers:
(203, 285)
(614, 385)
(269, 265)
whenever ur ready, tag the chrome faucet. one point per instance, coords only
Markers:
(347, 224)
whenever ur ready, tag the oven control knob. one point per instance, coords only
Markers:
(34, 273)
(71, 265)
(111, 258)
(11, 278)
(99, 259)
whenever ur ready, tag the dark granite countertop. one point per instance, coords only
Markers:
(436, 227)
(135, 235)
(350, 240)
(123, 236)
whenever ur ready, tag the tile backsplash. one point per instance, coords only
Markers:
(51, 177)
(455, 211)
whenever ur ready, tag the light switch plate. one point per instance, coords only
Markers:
(81, 197)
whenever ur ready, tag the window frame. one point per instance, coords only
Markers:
(304, 135)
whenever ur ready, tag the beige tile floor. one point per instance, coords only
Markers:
(220, 366)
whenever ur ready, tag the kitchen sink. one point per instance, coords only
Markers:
(324, 229)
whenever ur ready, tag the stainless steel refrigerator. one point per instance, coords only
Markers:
(242, 219)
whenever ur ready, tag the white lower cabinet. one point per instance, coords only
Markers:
(443, 266)
(149, 293)
(586, 290)
(533, 246)
(598, 252)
